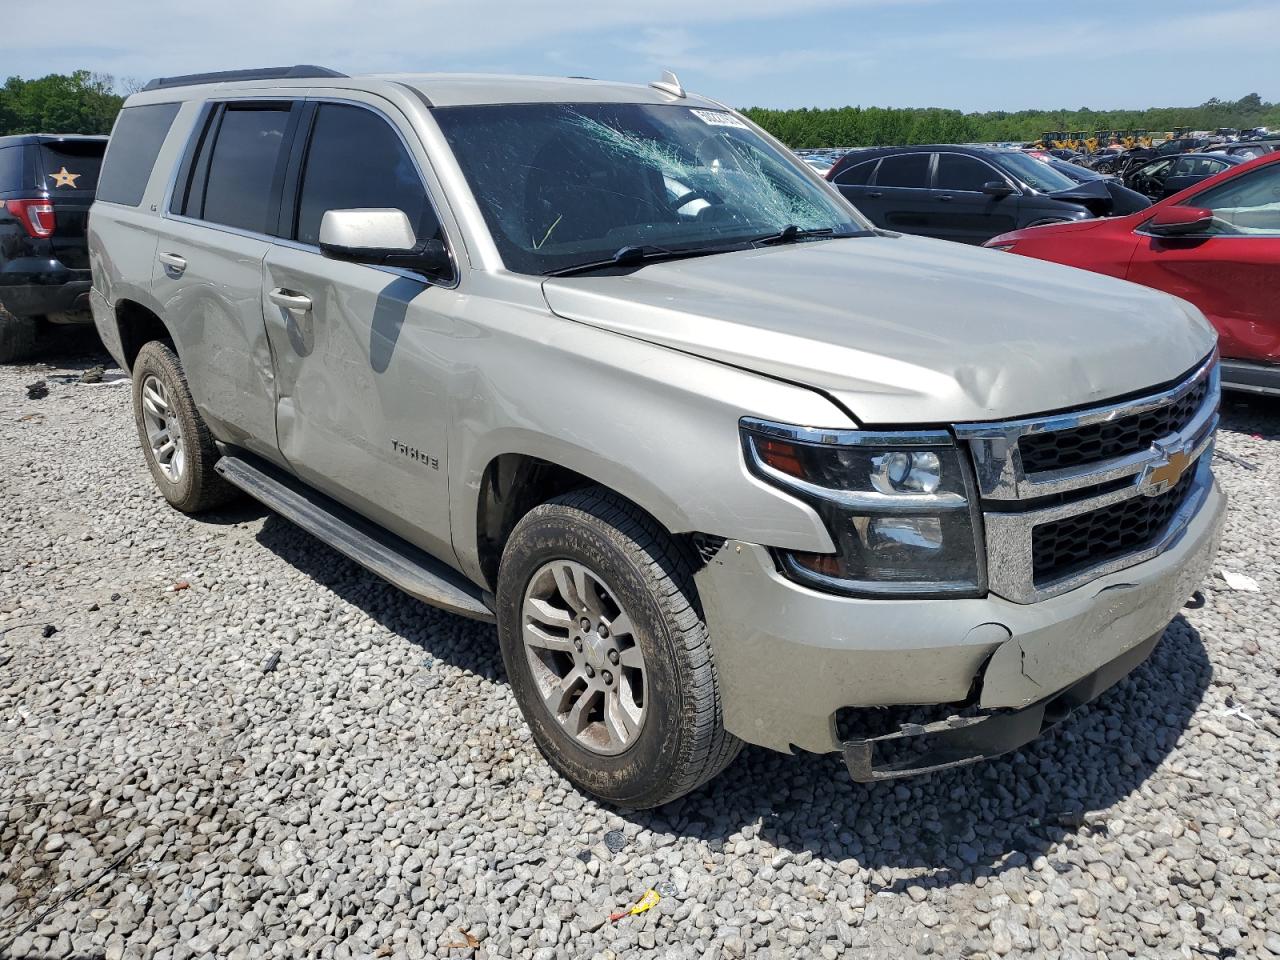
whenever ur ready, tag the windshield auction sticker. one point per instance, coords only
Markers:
(719, 118)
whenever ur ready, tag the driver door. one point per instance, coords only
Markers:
(361, 351)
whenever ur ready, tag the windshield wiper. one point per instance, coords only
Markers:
(631, 256)
(792, 234)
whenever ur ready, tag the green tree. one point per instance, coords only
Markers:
(80, 102)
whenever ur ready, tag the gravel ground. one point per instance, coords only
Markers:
(237, 743)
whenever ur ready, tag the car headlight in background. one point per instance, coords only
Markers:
(900, 508)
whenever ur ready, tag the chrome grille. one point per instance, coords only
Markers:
(1110, 438)
(1062, 547)
(1070, 497)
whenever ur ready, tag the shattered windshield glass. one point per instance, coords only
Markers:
(566, 184)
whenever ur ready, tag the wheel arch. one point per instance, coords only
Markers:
(514, 483)
(137, 325)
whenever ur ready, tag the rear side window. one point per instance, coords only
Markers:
(959, 172)
(135, 141)
(242, 167)
(11, 168)
(356, 159)
(904, 170)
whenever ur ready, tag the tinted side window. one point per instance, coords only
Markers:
(356, 159)
(904, 170)
(135, 141)
(11, 168)
(857, 175)
(958, 172)
(242, 167)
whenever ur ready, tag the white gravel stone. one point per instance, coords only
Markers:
(378, 793)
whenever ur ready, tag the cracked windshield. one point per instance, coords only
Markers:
(567, 185)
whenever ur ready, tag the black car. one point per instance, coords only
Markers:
(1165, 176)
(970, 194)
(1245, 151)
(47, 184)
(1123, 200)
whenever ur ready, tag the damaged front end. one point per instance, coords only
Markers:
(973, 735)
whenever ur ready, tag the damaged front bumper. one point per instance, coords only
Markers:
(792, 661)
(957, 741)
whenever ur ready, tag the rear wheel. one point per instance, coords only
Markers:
(17, 337)
(607, 651)
(175, 440)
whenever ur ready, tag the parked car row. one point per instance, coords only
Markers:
(1214, 243)
(962, 193)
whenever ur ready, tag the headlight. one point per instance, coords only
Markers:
(900, 508)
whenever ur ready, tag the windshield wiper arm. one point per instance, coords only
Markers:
(634, 256)
(791, 234)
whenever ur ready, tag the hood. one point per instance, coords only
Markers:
(903, 330)
(1055, 229)
(1093, 195)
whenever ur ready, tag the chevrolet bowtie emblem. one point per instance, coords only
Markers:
(1164, 472)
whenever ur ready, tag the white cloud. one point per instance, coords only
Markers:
(140, 38)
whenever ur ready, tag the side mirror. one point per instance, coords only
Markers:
(380, 237)
(997, 189)
(1178, 221)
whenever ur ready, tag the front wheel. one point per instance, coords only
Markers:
(608, 653)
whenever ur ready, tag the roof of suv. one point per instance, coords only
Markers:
(27, 139)
(449, 89)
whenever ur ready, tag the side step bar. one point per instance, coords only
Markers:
(398, 562)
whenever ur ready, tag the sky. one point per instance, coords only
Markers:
(963, 54)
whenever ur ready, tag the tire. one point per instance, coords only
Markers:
(194, 486)
(681, 742)
(17, 337)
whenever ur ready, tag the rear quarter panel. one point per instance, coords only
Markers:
(122, 240)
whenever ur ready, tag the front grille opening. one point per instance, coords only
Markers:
(1059, 449)
(1067, 546)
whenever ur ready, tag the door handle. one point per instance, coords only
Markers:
(297, 302)
(173, 263)
(875, 193)
(946, 197)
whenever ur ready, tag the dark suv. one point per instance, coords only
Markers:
(970, 194)
(47, 184)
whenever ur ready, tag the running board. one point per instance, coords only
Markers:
(398, 562)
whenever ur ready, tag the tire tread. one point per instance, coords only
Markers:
(668, 568)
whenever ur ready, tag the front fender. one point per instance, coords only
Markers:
(657, 426)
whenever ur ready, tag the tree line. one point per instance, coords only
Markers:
(84, 102)
(874, 126)
(79, 102)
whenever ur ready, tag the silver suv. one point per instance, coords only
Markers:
(608, 365)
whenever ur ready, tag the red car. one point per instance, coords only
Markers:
(1216, 244)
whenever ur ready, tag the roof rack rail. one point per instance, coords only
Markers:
(300, 71)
